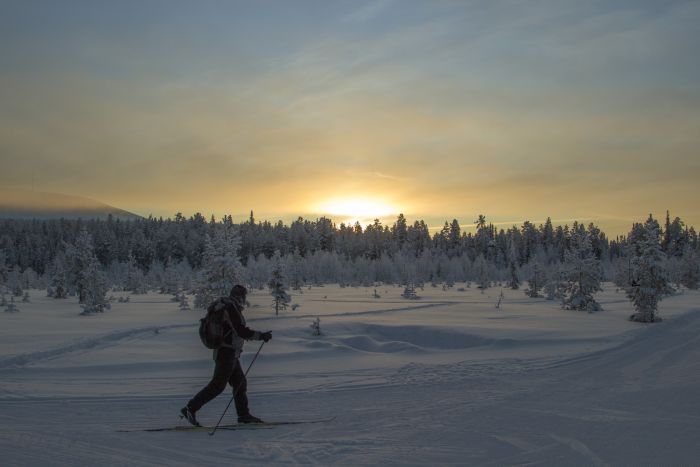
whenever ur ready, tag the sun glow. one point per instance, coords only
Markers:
(362, 210)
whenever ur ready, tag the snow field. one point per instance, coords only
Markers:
(444, 380)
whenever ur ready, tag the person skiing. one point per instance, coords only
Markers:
(228, 366)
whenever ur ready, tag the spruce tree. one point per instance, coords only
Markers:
(581, 273)
(690, 268)
(296, 272)
(514, 280)
(10, 306)
(59, 276)
(482, 271)
(135, 279)
(316, 327)
(278, 284)
(184, 303)
(536, 280)
(83, 262)
(554, 285)
(649, 281)
(14, 282)
(174, 277)
(3, 268)
(94, 289)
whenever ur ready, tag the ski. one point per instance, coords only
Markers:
(233, 427)
(194, 428)
(290, 422)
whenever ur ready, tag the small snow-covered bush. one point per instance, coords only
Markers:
(409, 292)
(316, 327)
(11, 307)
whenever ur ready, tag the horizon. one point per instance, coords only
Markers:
(611, 228)
(357, 110)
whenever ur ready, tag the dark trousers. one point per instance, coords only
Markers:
(228, 370)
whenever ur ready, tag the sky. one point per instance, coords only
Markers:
(520, 110)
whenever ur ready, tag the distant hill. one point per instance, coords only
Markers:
(25, 204)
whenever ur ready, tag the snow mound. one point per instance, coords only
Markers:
(378, 338)
(368, 344)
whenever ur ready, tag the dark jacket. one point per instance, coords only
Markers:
(235, 336)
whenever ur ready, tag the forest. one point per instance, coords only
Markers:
(205, 257)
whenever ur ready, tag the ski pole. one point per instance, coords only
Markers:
(237, 388)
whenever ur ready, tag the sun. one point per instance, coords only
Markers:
(362, 210)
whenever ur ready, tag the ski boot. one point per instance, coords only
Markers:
(188, 414)
(248, 418)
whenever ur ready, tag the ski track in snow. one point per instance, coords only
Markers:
(361, 313)
(86, 344)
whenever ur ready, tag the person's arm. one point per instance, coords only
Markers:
(245, 332)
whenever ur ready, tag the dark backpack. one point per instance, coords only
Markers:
(212, 327)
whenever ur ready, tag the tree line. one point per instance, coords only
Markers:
(204, 256)
(35, 243)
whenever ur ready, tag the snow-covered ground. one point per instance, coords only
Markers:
(444, 380)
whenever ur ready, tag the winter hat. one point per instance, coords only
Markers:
(238, 291)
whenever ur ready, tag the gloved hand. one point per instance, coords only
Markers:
(266, 336)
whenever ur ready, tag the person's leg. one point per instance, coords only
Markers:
(222, 374)
(239, 384)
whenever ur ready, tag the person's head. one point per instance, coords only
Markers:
(238, 293)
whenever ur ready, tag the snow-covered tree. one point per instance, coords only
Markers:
(622, 271)
(554, 285)
(83, 263)
(649, 280)
(94, 289)
(500, 299)
(535, 280)
(482, 271)
(296, 271)
(278, 284)
(3, 268)
(221, 268)
(59, 276)
(409, 292)
(581, 273)
(184, 303)
(11, 307)
(170, 281)
(14, 282)
(154, 278)
(316, 327)
(673, 267)
(135, 279)
(454, 271)
(690, 268)
(175, 277)
(513, 279)
(29, 279)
